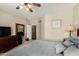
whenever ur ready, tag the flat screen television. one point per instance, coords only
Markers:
(5, 31)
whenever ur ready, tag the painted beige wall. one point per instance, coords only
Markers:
(76, 18)
(10, 20)
(49, 33)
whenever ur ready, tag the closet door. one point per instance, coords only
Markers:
(33, 32)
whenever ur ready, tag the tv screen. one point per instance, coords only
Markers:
(5, 31)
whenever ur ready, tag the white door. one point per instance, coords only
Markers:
(29, 32)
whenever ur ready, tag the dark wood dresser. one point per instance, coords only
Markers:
(7, 43)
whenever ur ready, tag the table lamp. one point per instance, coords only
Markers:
(70, 29)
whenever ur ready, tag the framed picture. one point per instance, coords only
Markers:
(77, 31)
(20, 28)
(56, 23)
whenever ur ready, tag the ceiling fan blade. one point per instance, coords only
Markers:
(25, 3)
(36, 4)
(28, 7)
(30, 10)
(17, 7)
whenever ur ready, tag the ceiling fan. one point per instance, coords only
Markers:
(27, 6)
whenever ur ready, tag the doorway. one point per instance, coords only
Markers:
(20, 30)
(33, 32)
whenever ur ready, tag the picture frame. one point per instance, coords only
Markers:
(56, 23)
(78, 32)
(20, 28)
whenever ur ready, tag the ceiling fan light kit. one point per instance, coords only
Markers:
(27, 6)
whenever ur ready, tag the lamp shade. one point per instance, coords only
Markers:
(71, 28)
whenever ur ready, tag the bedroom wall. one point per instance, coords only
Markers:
(76, 15)
(7, 19)
(76, 18)
(65, 14)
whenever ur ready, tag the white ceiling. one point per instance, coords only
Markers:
(37, 12)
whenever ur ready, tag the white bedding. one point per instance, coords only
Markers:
(71, 51)
(35, 48)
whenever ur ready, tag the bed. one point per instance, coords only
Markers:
(69, 47)
(71, 51)
(34, 48)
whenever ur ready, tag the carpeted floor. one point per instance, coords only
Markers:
(35, 48)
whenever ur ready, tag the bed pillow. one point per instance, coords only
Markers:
(67, 43)
(74, 40)
(60, 48)
(77, 45)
